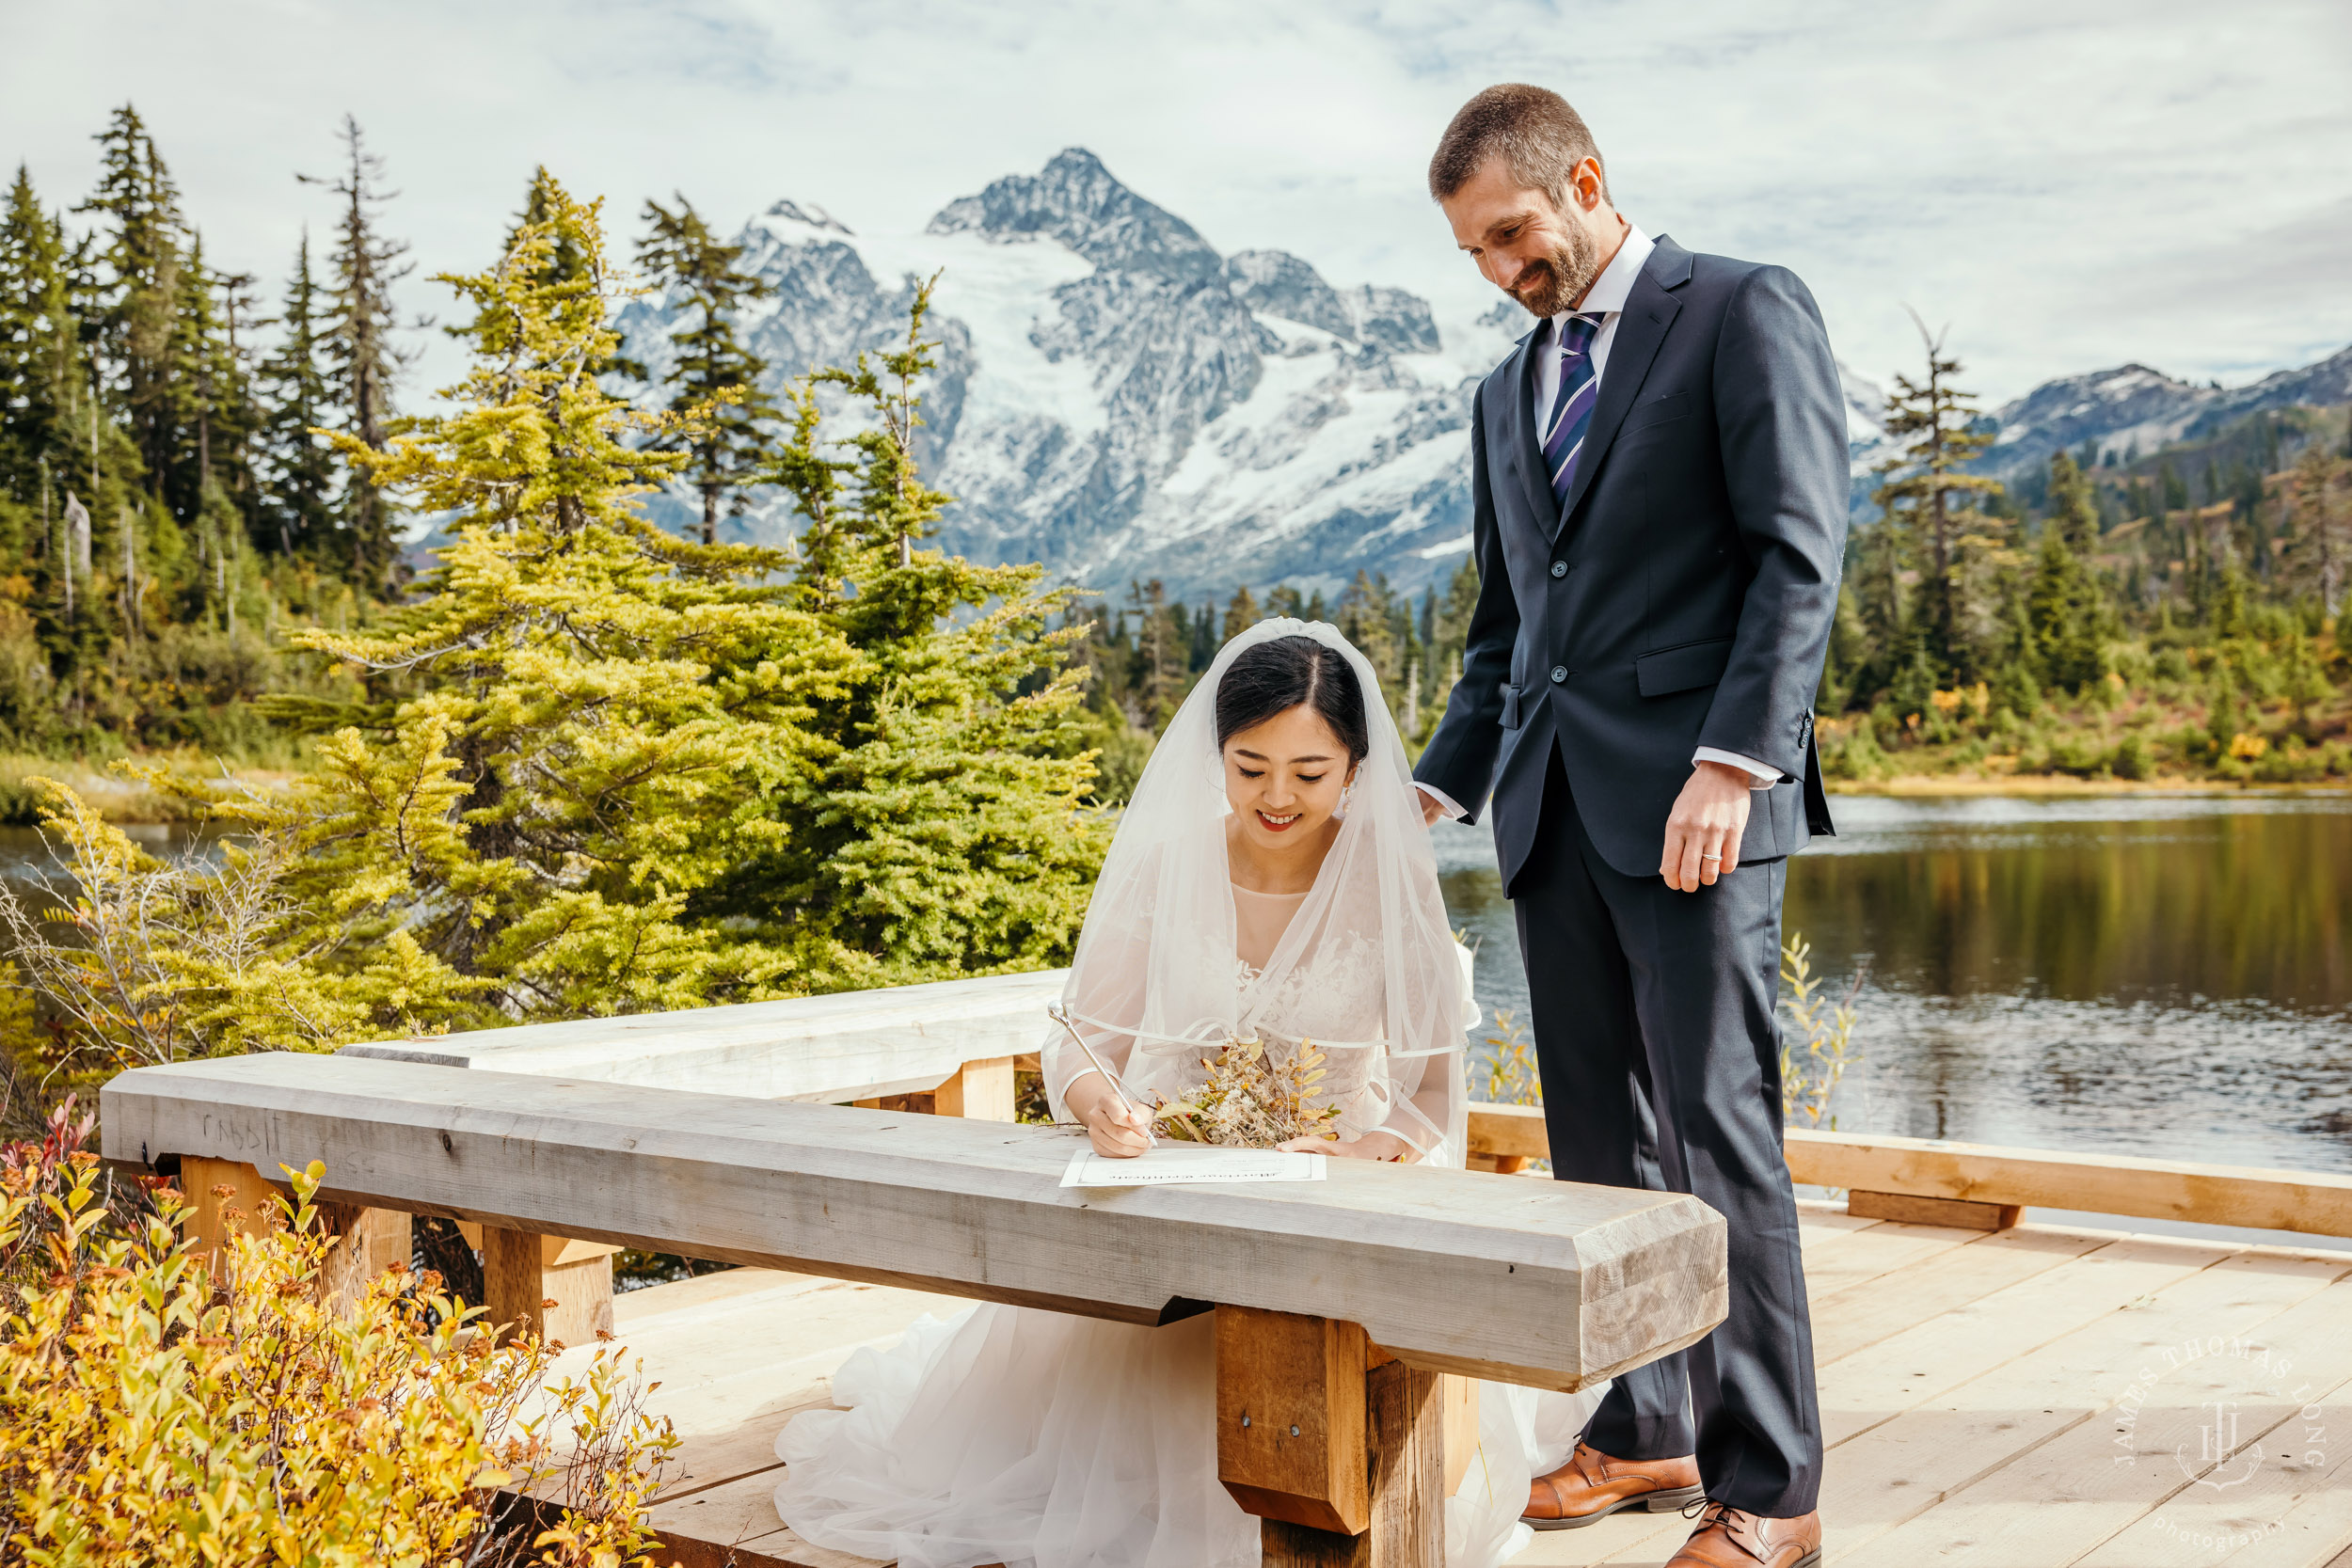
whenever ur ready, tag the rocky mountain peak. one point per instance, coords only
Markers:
(1076, 201)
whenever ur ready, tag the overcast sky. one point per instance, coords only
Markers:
(2070, 185)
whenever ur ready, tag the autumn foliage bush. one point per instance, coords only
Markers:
(157, 1410)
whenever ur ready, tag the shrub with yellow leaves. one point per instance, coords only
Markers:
(158, 1411)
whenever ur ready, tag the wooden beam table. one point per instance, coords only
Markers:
(1320, 1286)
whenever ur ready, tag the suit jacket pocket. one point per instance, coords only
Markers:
(1673, 405)
(1680, 669)
(1510, 706)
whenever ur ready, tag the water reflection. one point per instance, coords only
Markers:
(2152, 975)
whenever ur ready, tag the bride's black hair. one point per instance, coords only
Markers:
(1284, 672)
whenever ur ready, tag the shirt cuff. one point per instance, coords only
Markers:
(1764, 773)
(1452, 808)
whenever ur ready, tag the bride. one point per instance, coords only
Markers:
(1271, 877)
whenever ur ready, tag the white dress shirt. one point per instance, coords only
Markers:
(1607, 296)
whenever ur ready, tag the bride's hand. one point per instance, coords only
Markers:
(1372, 1145)
(1117, 1128)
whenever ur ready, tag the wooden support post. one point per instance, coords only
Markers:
(547, 1286)
(367, 1242)
(1339, 1450)
(982, 1090)
(224, 1197)
(1962, 1214)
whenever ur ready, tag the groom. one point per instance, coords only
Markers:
(1658, 476)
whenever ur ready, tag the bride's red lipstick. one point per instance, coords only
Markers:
(1273, 827)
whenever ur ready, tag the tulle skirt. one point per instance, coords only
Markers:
(1039, 1440)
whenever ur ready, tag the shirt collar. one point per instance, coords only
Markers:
(1614, 285)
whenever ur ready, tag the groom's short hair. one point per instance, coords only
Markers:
(1532, 129)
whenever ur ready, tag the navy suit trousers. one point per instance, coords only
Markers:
(1654, 1016)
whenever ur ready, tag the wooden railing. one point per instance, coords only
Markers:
(1983, 1187)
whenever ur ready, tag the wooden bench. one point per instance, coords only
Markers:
(947, 1047)
(1339, 1302)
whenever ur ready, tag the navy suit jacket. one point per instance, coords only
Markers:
(1683, 595)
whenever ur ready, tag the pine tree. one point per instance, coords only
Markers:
(1241, 613)
(362, 359)
(298, 478)
(936, 829)
(131, 309)
(569, 735)
(2319, 503)
(726, 426)
(1955, 543)
(2074, 503)
(2067, 614)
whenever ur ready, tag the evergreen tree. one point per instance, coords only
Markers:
(1241, 613)
(131, 307)
(2074, 503)
(362, 360)
(726, 420)
(41, 383)
(2320, 517)
(1955, 543)
(298, 478)
(2067, 614)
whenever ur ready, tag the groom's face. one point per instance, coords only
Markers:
(1542, 256)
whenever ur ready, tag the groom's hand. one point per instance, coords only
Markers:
(1704, 829)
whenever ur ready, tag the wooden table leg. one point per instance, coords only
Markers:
(1338, 1450)
(224, 1197)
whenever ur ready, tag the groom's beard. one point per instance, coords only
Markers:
(1550, 286)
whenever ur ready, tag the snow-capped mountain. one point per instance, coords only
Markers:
(2135, 407)
(1118, 399)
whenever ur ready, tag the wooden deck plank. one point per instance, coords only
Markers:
(732, 1373)
(632, 1307)
(1861, 1315)
(1879, 1251)
(1881, 1381)
(2290, 1513)
(2082, 1488)
(738, 1521)
(1888, 1497)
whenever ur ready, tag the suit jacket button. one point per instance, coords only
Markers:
(1559, 674)
(1559, 568)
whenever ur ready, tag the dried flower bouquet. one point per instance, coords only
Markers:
(1251, 1101)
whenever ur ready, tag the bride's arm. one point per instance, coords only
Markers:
(1109, 990)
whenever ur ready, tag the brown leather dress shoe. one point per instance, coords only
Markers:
(1591, 1485)
(1734, 1538)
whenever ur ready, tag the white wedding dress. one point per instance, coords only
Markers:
(1041, 1440)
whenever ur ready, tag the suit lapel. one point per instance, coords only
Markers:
(1534, 476)
(1649, 310)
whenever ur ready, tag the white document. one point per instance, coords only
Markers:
(1177, 1164)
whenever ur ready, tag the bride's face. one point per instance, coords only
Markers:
(1284, 777)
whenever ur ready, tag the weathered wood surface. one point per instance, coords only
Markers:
(1970, 1379)
(1880, 1168)
(851, 1045)
(1570, 1283)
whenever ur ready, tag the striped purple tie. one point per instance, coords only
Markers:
(1572, 407)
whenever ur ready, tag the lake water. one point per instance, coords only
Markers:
(2168, 977)
(2159, 975)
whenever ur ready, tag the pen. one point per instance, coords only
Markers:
(1061, 1015)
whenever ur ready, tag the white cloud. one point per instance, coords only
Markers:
(2071, 187)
